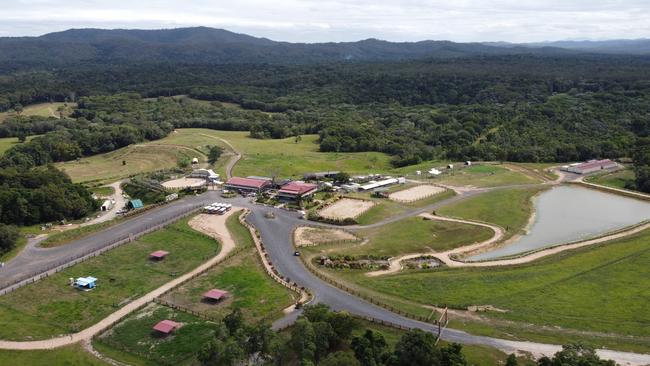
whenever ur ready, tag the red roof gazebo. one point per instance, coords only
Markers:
(216, 295)
(158, 254)
(166, 326)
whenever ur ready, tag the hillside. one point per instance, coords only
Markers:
(209, 45)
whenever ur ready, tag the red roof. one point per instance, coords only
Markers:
(248, 182)
(298, 188)
(593, 163)
(166, 326)
(215, 294)
(158, 254)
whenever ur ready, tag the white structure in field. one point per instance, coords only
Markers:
(590, 166)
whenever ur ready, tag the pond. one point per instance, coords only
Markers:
(569, 213)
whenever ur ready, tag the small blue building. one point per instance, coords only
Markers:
(85, 283)
(135, 204)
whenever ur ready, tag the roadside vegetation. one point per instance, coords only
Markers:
(51, 307)
(73, 355)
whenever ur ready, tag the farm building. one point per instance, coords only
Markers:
(297, 190)
(215, 295)
(158, 255)
(247, 184)
(85, 283)
(382, 183)
(134, 204)
(320, 175)
(166, 326)
(207, 174)
(107, 205)
(590, 166)
(434, 171)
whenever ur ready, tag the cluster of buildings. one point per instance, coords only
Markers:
(286, 190)
(590, 166)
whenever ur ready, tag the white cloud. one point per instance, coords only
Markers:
(338, 20)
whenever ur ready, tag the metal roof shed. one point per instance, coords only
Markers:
(135, 204)
(215, 295)
(166, 326)
(158, 254)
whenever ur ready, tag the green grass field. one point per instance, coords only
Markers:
(141, 158)
(508, 208)
(600, 289)
(134, 342)
(65, 356)
(415, 234)
(252, 290)
(51, 307)
(484, 176)
(7, 143)
(103, 191)
(42, 110)
(618, 179)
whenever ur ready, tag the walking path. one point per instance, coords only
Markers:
(233, 161)
(214, 227)
(396, 263)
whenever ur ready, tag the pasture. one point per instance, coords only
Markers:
(73, 355)
(7, 143)
(51, 307)
(484, 176)
(619, 179)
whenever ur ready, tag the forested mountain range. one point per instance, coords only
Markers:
(209, 45)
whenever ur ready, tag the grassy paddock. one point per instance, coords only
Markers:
(73, 355)
(133, 340)
(252, 290)
(51, 307)
(618, 179)
(7, 143)
(485, 176)
(42, 110)
(415, 234)
(508, 208)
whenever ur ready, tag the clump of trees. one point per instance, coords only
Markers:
(31, 196)
(8, 237)
(322, 337)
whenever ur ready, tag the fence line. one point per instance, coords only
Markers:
(71, 261)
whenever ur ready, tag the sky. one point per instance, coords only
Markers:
(345, 20)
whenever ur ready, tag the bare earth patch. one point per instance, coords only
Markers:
(309, 236)
(184, 183)
(346, 208)
(415, 193)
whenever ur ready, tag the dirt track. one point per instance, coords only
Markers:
(309, 236)
(346, 208)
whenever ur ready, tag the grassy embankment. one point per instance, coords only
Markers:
(252, 291)
(51, 307)
(599, 289)
(73, 355)
(618, 179)
(509, 208)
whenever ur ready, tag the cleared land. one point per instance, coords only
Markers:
(184, 183)
(346, 208)
(42, 110)
(598, 289)
(252, 290)
(133, 341)
(309, 236)
(51, 307)
(138, 159)
(415, 193)
(509, 208)
(484, 176)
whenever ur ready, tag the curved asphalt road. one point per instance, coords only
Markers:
(276, 235)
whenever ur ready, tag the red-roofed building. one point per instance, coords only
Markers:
(590, 166)
(215, 295)
(166, 326)
(297, 190)
(247, 184)
(158, 255)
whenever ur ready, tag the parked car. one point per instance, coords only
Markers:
(296, 253)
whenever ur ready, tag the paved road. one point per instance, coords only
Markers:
(276, 234)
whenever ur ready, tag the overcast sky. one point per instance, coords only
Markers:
(345, 20)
